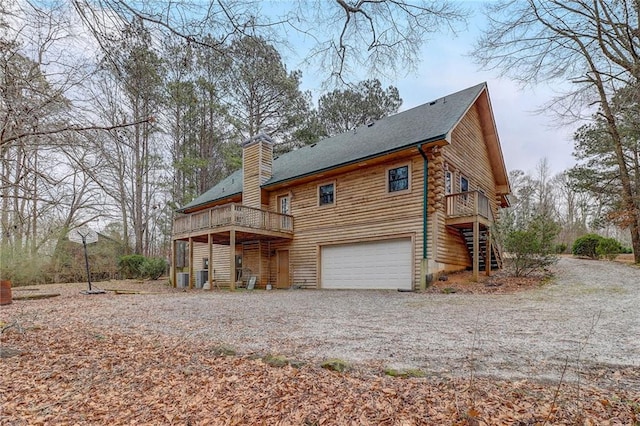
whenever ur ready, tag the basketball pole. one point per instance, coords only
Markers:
(86, 259)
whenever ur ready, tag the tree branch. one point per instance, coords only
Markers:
(13, 138)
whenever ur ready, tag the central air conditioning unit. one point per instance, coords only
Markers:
(201, 278)
(183, 279)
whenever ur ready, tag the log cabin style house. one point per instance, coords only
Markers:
(388, 205)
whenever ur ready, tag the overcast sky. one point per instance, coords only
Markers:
(526, 136)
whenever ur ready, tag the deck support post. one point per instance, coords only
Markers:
(232, 259)
(174, 250)
(476, 249)
(487, 256)
(190, 263)
(210, 266)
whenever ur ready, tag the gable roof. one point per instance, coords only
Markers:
(429, 122)
(227, 187)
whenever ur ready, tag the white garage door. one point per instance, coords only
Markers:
(373, 265)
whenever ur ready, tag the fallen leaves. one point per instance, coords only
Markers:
(500, 282)
(78, 375)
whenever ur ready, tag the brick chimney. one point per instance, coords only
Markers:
(257, 160)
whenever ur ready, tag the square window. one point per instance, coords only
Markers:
(398, 179)
(326, 194)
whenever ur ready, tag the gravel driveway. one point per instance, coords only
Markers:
(588, 319)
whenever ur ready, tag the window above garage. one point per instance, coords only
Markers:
(327, 194)
(398, 179)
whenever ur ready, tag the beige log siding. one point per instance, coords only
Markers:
(200, 251)
(257, 159)
(251, 176)
(268, 264)
(363, 210)
(251, 260)
(220, 262)
(467, 155)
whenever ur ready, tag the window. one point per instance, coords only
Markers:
(398, 179)
(448, 189)
(464, 184)
(283, 204)
(284, 207)
(326, 194)
(205, 263)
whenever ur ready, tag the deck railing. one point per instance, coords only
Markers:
(470, 203)
(233, 214)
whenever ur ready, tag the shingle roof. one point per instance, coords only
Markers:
(428, 122)
(227, 187)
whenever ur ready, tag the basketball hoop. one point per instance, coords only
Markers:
(83, 235)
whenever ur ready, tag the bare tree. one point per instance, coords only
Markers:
(381, 36)
(593, 44)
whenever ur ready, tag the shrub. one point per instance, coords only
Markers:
(560, 248)
(609, 248)
(22, 267)
(586, 246)
(153, 267)
(627, 250)
(130, 265)
(532, 248)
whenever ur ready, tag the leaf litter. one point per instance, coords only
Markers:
(79, 375)
(67, 369)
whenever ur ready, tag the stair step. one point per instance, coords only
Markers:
(494, 256)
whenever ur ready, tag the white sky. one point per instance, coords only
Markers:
(526, 136)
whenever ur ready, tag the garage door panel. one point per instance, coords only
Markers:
(385, 264)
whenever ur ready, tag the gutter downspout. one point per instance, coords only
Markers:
(424, 265)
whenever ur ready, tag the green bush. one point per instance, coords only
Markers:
(153, 267)
(627, 250)
(561, 248)
(609, 248)
(587, 246)
(531, 249)
(130, 265)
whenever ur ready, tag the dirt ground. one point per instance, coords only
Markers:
(562, 351)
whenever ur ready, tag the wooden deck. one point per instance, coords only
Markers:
(234, 216)
(467, 207)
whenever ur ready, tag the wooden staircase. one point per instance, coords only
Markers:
(496, 259)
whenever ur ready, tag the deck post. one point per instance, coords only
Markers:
(210, 269)
(476, 249)
(232, 259)
(190, 263)
(174, 250)
(476, 201)
(487, 256)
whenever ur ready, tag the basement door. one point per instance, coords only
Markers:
(384, 264)
(283, 269)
